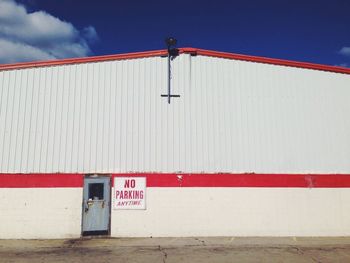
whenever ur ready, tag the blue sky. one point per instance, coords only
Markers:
(312, 31)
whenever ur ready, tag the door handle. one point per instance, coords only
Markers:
(88, 204)
(91, 202)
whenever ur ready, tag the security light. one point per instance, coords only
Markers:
(170, 42)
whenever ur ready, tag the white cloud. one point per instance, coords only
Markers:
(90, 34)
(14, 51)
(345, 51)
(38, 35)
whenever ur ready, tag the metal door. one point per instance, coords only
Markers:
(96, 205)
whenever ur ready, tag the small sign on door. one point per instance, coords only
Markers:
(129, 193)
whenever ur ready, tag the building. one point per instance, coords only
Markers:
(251, 147)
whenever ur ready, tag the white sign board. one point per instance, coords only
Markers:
(129, 193)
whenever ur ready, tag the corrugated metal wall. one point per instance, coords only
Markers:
(232, 116)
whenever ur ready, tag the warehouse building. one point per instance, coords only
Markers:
(202, 144)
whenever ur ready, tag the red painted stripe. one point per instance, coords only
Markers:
(188, 50)
(69, 61)
(40, 180)
(186, 180)
(244, 180)
(272, 61)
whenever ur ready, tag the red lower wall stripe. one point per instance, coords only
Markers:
(186, 180)
(41, 180)
(245, 180)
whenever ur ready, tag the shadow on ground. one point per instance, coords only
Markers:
(177, 250)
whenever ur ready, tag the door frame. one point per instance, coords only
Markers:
(88, 176)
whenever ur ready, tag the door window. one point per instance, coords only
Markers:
(96, 191)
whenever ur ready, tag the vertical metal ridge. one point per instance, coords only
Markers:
(3, 109)
(15, 129)
(21, 145)
(42, 142)
(110, 138)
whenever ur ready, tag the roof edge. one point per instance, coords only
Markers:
(273, 61)
(185, 50)
(69, 61)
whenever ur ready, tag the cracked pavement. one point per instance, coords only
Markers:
(167, 250)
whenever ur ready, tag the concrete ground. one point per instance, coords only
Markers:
(177, 250)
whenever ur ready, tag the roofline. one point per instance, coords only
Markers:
(69, 61)
(274, 61)
(186, 50)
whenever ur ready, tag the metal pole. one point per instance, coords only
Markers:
(169, 76)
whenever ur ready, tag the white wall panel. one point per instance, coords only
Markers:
(232, 116)
(40, 213)
(215, 211)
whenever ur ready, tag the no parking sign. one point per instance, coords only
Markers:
(129, 193)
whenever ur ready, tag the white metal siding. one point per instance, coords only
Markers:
(232, 116)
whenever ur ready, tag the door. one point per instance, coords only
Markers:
(96, 205)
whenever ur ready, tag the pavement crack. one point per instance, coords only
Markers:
(70, 243)
(298, 249)
(316, 260)
(201, 241)
(165, 255)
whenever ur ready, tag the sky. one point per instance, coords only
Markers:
(301, 30)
